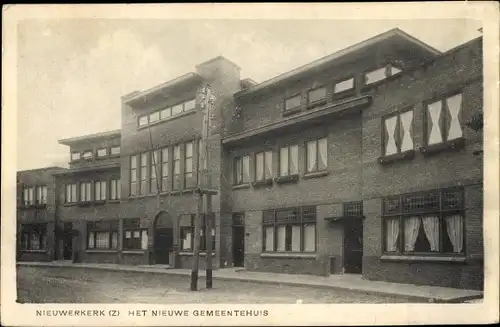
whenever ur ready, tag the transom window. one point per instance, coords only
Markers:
(85, 191)
(100, 190)
(115, 189)
(143, 120)
(102, 152)
(289, 230)
(75, 156)
(70, 193)
(134, 237)
(263, 165)
(425, 223)
(289, 160)
(379, 74)
(344, 85)
(154, 116)
(398, 133)
(444, 120)
(102, 234)
(242, 170)
(317, 154)
(316, 95)
(28, 196)
(293, 102)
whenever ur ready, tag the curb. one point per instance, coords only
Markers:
(268, 282)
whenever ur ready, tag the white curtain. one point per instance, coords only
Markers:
(246, 168)
(412, 226)
(390, 127)
(391, 234)
(309, 237)
(296, 238)
(311, 156)
(294, 158)
(114, 240)
(434, 135)
(91, 243)
(323, 154)
(431, 228)
(186, 242)
(454, 227)
(259, 169)
(269, 164)
(269, 239)
(454, 105)
(281, 238)
(406, 139)
(284, 162)
(144, 240)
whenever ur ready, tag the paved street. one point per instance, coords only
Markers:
(63, 285)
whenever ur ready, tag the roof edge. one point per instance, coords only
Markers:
(73, 140)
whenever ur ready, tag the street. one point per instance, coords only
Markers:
(71, 285)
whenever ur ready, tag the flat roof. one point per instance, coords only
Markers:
(89, 168)
(89, 137)
(41, 169)
(396, 32)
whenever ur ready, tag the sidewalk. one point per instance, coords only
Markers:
(345, 282)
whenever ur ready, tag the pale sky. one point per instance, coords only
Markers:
(72, 73)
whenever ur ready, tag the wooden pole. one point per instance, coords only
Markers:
(196, 241)
(208, 233)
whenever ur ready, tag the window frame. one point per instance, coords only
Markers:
(154, 158)
(27, 202)
(311, 104)
(306, 157)
(190, 228)
(90, 185)
(133, 172)
(111, 150)
(165, 173)
(143, 173)
(443, 118)
(88, 158)
(103, 185)
(265, 178)
(398, 139)
(176, 177)
(31, 229)
(71, 186)
(72, 153)
(239, 161)
(43, 196)
(101, 156)
(112, 229)
(116, 187)
(345, 91)
(132, 226)
(280, 174)
(189, 182)
(296, 108)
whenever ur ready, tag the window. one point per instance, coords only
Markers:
(263, 165)
(70, 193)
(289, 157)
(115, 189)
(242, 170)
(34, 237)
(191, 104)
(102, 152)
(154, 117)
(164, 169)
(187, 233)
(398, 133)
(177, 168)
(115, 150)
(443, 120)
(100, 190)
(293, 102)
(345, 85)
(316, 95)
(289, 230)
(153, 182)
(133, 175)
(28, 196)
(41, 195)
(134, 237)
(424, 223)
(143, 121)
(165, 113)
(102, 234)
(75, 156)
(87, 155)
(375, 75)
(317, 154)
(85, 191)
(143, 173)
(188, 166)
(177, 109)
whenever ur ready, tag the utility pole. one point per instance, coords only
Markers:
(208, 238)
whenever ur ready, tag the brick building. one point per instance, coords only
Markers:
(359, 162)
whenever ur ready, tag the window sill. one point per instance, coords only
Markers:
(188, 190)
(202, 254)
(113, 201)
(343, 94)
(288, 112)
(241, 186)
(287, 179)
(316, 104)
(34, 251)
(448, 146)
(84, 204)
(100, 251)
(173, 117)
(415, 258)
(288, 255)
(100, 202)
(315, 174)
(263, 183)
(406, 155)
(72, 204)
(133, 251)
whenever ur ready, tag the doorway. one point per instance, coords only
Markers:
(67, 240)
(353, 246)
(163, 245)
(239, 246)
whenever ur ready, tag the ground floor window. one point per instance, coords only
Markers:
(289, 230)
(34, 237)
(102, 234)
(187, 233)
(425, 223)
(134, 237)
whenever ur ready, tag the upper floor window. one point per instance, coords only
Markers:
(154, 116)
(115, 150)
(75, 156)
(100, 190)
(344, 85)
(70, 193)
(87, 154)
(164, 169)
(191, 104)
(316, 95)
(102, 152)
(398, 133)
(188, 165)
(41, 194)
(317, 155)
(242, 170)
(165, 113)
(114, 189)
(375, 75)
(176, 182)
(143, 120)
(293, 102)
(153, 166)
(444, 120)
(263, 165)
(143, 173)
(133, 176)
(28, 196)
(177, 109)
(289, 159)
(85, 191)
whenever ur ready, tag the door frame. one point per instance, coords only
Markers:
(241, 232)
(348, 250)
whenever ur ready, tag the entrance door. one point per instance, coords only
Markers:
(239, 246)
(67, 240)
(353, 246)
(164, 240)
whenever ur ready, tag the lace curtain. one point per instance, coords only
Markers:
(391, 234)
(454, 227)
(431, 228)
(412, 226)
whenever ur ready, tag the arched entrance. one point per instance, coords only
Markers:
(163, 231)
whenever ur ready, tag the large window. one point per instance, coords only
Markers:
(317, 154)
(425, 223)
(28, 196)
(289, 230)
(293, 102)
(34, 237)
(133, 176)
(242, 170)
(398, 133)
(167, 112)
(187, 233)
(176, 181)
(102, 234)
(143, 174)
(443, 120)
(189, 180)
(164, 169)
(153, 182)
(263, 165)
(289, 160)
(100, 190)
(85, 191)
(115, 189)
(41, 194)
(134, 237)
(70, 193)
